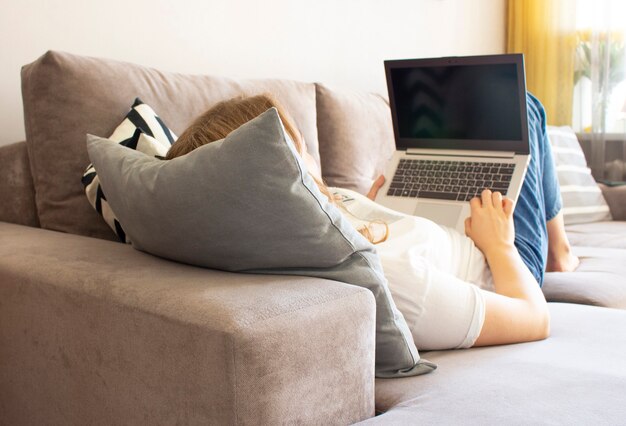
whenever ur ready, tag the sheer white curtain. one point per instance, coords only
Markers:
(599, 112)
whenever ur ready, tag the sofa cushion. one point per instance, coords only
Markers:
(598, 280)
(67, 96)
(583, 201)
(246, 203)
(576, 376)
(16, 186)
(356, 137)
(615, 197)
(610, 234)
(142, 130)
(93, 332)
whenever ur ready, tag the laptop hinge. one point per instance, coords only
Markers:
(461, 153)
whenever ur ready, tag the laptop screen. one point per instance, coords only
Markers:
(471, 103)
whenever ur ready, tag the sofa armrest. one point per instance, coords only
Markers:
(616, 199)
(95, 332)
(16, 186)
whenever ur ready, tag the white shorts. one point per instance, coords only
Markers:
(441, 310)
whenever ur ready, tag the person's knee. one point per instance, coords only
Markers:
(536, 107)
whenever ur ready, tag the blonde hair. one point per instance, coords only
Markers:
(226, 116)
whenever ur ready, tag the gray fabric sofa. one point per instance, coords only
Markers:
(95, 332)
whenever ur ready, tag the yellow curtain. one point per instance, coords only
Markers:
(544, 31)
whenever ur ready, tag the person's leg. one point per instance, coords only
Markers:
(539, 231)
(560, 256)
(531, 233)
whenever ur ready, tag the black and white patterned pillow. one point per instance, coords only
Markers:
(142, 130)
(583, 201)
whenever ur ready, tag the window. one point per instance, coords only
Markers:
(600, 67)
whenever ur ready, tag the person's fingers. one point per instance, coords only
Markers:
(507, 206)
(497, 200)
(475, 203)
(468, 225)
(486, 198)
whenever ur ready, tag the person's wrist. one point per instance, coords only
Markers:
(495, 251)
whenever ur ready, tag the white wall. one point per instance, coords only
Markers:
(339, 42)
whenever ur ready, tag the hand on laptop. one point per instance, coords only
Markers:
(376, 185)
(491, 224)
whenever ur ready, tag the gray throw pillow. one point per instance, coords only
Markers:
(247, 204)
(143, 130)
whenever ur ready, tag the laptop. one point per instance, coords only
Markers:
(460, 125)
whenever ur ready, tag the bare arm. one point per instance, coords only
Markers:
(517, 311)
(376, 185)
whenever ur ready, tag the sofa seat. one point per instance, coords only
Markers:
(599, 280)
(572, 378)
(598, 234)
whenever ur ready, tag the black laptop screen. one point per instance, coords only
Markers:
(458, 106)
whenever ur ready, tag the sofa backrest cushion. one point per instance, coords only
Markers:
(17, 194)
(67, 96)
(247, 204)
(355, 136)
(583, 201)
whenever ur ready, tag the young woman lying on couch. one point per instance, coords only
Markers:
(454, 290)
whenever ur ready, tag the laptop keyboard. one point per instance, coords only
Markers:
(449, 180)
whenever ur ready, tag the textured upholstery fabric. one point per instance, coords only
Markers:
(355, 135)
(598, 234)
(615, 197)
(598, 280)
(575, 377)
(94, 332)
(17, 194)
(67, 96)
(246, 203)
